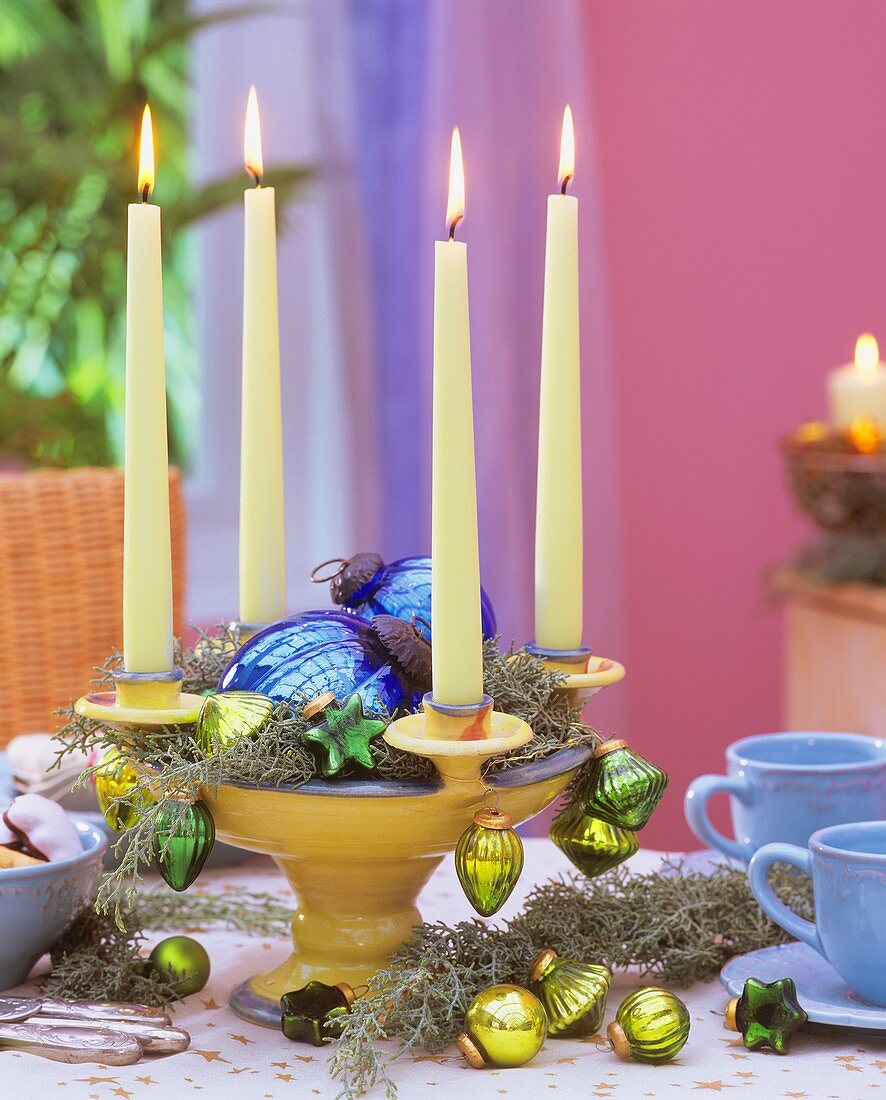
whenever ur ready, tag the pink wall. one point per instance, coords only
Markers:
(743, 155)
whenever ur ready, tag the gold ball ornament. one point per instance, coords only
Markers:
(505, 1026)
(183, 962)
(115, 789)
(651, 1025)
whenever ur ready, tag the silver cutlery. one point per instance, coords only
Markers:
(64, 1042)
(152, 1038)
(99, 1012)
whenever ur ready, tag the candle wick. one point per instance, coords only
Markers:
(255, 176)
(452, 226)
(146, 191)
(565, 184)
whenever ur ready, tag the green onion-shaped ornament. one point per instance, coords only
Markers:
(593, 846)
(623, 788)
(313, 1014)
(182, 843)
(651, 1025)
(573, 993)
(488, 860)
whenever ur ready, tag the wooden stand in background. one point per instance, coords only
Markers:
(836, 656)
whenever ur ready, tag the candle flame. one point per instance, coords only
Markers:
(252, 138)
(146, 156)
(867, 355)
(455, 205)
(865, 435)
(567, 151)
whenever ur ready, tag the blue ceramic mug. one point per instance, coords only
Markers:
(784, 786)
(847, 864)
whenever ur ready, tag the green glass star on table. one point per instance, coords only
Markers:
(767, 1014)
(313, 1013)
(344, 734)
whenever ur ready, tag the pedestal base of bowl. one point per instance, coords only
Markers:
(357, 854)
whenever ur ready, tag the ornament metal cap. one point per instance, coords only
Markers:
(542, 961)
(318, 704)
(619, 1041)
(471, 1051)
(349, 994)
(609, 746)
(730, 1020)
(491, 818)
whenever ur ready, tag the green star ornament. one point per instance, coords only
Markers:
(767, 1014)
(344, 734)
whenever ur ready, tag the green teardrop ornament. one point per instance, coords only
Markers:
(592, 846)
(573, 993)
(651, 1025)
(623, 788)
(182, 843)
(488, 861)
(229, 716)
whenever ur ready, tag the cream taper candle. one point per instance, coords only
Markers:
(457, 653)
(262, 517)
(858, 389)
(558, 522)
(147, 554)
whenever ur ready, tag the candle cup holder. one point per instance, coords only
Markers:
(142, 699)
(586, 674)
(457, 739)
(240, 629)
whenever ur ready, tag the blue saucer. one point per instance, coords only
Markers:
(820, 989)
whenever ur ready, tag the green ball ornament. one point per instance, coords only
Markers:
(182, 962)
(593, 846)
(623, 787)
(573, 994)
(505, 1026)
(488, 860)
(183, 843)
(651, 1025)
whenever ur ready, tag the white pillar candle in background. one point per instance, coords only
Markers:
(457, 653)
(858, 389)
(147, 553)
(262, 515)
(558, 521)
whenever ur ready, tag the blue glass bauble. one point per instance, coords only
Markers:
(316, 651)
(403, 589)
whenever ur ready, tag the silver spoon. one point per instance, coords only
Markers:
(153, 1039)
(99, 1012)
(71, 1044)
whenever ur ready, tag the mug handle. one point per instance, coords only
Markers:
(758, 868)
(695, 807)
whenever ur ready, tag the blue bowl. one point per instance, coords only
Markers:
(38, 902)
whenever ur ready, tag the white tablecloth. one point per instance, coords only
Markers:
(230, 1058)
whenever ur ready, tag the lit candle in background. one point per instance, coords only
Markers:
(558, 521)
(858, 389)
(455, 579)
(262, 521)
(147, 555)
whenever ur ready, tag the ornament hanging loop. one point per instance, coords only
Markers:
(341, 565)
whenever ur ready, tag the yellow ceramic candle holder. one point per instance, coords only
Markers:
(142, 699)
(358, 852)
(586, 674)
